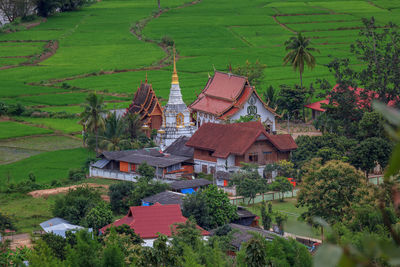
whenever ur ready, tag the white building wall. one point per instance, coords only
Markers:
(264, 113)
(199, 163)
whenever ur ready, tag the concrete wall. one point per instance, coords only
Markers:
(268, 196)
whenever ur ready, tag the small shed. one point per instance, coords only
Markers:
(59, 226)
(189, 186)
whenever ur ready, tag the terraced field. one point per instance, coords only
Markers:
(110, 46)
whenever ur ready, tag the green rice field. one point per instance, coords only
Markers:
(10, 129)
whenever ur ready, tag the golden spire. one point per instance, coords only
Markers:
(175, 74)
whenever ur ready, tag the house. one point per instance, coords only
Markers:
(223, 147)
(363, 99)
(227, 97)
(176, 116)
(60, 226)
(164, 198)
(246, 217)
(189, 186)
(124, 164)
(146, 105)
(149, 221)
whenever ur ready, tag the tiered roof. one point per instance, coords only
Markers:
(148, 221)
(236, 138)
(145, 103)
(224, 95)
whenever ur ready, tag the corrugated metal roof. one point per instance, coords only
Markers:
(101, 163)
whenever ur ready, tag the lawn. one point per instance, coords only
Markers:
(47, 166)
(293, 225)
(11, 129)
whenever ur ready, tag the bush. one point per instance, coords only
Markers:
(167, 41)
(118, 196)
(28, 18)
(76, 175)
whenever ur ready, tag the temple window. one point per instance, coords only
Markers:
(179, 119)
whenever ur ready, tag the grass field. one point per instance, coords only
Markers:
(63, 125)
(47, 166)
(10, 129)
(292, 225)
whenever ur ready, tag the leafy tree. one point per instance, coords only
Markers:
(133, 125)
(270, 96)
(280, 219)
(281, 168)
(369, 152)
(42, 256)
(253, 71)
(265, 217)
(113, 256)
(99, 216)
(45, 8)
(126, 231)
(75, 205)
(162, 254)
(118, 194)
(248, 182)
(146, 171)
(72, 5)
(371, 125)
(329, 190)
(12, 9)
(92, 116)
(282, 185)
(210, 207)
(291, 100)
(56, 243)
(256, 252)
(300, 54)
(144, 189)
(186, 233)
(282, 252)
(86, 252)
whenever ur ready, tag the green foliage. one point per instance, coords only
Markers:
(146, 171)
(253, 71)
(282, 252)
(126, 231)
(186, 233)
(210, 207)
(76, 204)
(282, 185)
(329, 190)
(56, 243)
(266, 219)
(256, 252)
(99, 216)
(280, 219)
(248, 182)
(113, 256)
(86, 251)
(300, 54)
(46, 7)
(76, 174)
(371, 125)
(5, 223)
(291, 100)
(282, 168)
(118, 194)
(42, 255)
(144, 189)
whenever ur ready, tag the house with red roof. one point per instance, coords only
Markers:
(224, 147)
(148, 221)
(362, 101)
(227, 97)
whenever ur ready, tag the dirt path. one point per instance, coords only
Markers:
(20, 240)
(60, 190)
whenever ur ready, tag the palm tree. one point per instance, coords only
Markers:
(299, 54)
(92, 116)
(115, 137)
(134, 125)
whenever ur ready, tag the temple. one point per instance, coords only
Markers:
(145, 103)
(227, 97)
(176, 118)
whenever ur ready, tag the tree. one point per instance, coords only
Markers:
(256, 252)
(144, 189)
(186, 233)
(114, 136)
(44, 8)
(92, 116)
(282, 185)
(146, 171)
(42, 256)
(56, 243)
(13, 9)
(371, 125)
(253, 71)
(329, 190)
(265, 217)
(118, 194)
(5, 223)
(270, 96)
(71, 5)
(300, 54)
(210, 207)
(99, 216)
(281, 168)
(113, 256)
(133, 124)
(369, 152)
(282, 252)
(86, 252)
(291, 100)
(248, 182)
(280, 219)
(76, 204)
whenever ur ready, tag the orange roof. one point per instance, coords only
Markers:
(224, 95)
(236, 138)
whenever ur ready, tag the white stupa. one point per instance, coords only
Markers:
(176, 116)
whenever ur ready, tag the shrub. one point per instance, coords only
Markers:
(167, 41)
(76, 175)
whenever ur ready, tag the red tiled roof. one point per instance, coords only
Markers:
(235, 138)
(361, 102)
(147, 221)
(224, 95)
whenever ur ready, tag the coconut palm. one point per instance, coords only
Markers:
(134, 125)
(299, 54)
(114, 137)
(92, 116)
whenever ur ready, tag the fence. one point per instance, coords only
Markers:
(267, 196)
(111, 174)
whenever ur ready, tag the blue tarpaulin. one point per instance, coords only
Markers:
(188, 191)
(144, 203)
